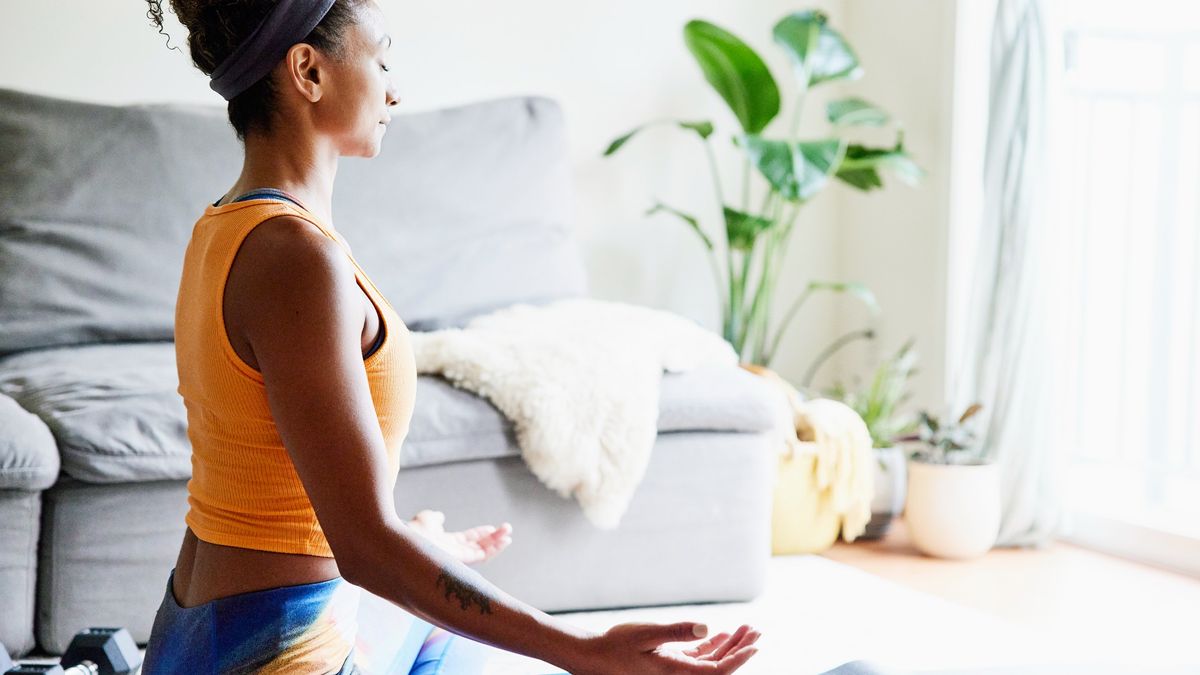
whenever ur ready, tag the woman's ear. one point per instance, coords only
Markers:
(305, 70)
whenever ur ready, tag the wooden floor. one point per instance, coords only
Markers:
(1063, 589)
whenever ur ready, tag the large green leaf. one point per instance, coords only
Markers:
(742, 228)
(819, 53)
(687, 218)
(861, 166)
(703, 128)
(849, 111)
(736, 72)
(797, 171)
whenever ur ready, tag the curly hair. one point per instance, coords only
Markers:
(216, 28)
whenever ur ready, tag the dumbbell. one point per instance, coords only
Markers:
(93, 651)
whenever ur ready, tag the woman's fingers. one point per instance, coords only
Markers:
(733, 642)
(478, 532)
(708, 646)
(648, 636)
(431, 517)
(468, 546)
(485, 541)
(736, 660)
(481, 531)
(749, 639)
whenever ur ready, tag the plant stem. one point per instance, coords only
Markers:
(712, 164)
(756, 306)
(746, 185)
(712, 256)
(779, 252)
(727, 304)
(791, 313)
(832, 349)
(795, 128)
(743, 278)
(760, 309)
(771, 274)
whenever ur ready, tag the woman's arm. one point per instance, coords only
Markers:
(305, 333)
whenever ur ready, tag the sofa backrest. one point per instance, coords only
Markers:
(464, 210)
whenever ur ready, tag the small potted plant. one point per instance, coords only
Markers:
(953, 508)
(880, 408)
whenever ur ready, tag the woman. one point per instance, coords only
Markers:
(298, 379)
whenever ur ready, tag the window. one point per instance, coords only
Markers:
(1127, 157)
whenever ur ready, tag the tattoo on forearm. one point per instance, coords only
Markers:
(467, 596)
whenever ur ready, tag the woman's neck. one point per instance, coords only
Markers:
(294, 163)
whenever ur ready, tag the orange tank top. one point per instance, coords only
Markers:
(244, 490)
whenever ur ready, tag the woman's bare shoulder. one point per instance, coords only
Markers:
(286, 270)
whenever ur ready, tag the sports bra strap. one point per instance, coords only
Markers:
(265, 193)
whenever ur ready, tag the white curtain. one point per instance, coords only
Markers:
(1006, 357)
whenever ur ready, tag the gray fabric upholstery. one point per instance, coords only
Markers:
(28, 454)
(715, 483)
(118, 417)
(96, 206)
(452, 425)
(19, 511)
(718, 399)
(86, 256)
(104, 556)
(465, 210)
(113, 408)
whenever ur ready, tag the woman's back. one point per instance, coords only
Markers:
(245, 492)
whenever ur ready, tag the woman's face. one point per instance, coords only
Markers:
(362, 91)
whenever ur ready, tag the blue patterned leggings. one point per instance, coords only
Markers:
(321, 628)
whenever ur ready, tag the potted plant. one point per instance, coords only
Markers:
(750, 228)
(880, 407)
(953, 508)
(753, 230)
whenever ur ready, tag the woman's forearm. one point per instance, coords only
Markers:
(407, 569)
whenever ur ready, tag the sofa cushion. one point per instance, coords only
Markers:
(113, 408)
(28, 454)
(117, 415)
(96, 206)
(451, 425)
(719, 399)
(463, 210)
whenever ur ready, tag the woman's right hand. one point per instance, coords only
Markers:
(638, 649)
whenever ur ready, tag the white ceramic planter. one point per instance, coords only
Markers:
(891, 483)
(953, 510)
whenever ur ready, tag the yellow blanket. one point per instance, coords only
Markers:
(826, 478)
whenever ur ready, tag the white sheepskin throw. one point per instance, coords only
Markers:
(579, 380)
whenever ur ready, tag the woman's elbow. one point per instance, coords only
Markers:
(362, 552)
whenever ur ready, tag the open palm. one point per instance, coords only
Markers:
(474, 545)
(721, 645)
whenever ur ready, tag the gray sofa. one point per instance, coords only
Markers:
(465, 210)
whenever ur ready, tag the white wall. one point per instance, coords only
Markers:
(612, 66)
(895, 240)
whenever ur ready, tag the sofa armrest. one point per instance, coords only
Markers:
(28, 453)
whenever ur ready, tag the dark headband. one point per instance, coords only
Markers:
(288, 22)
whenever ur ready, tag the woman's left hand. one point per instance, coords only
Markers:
(469, 546)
